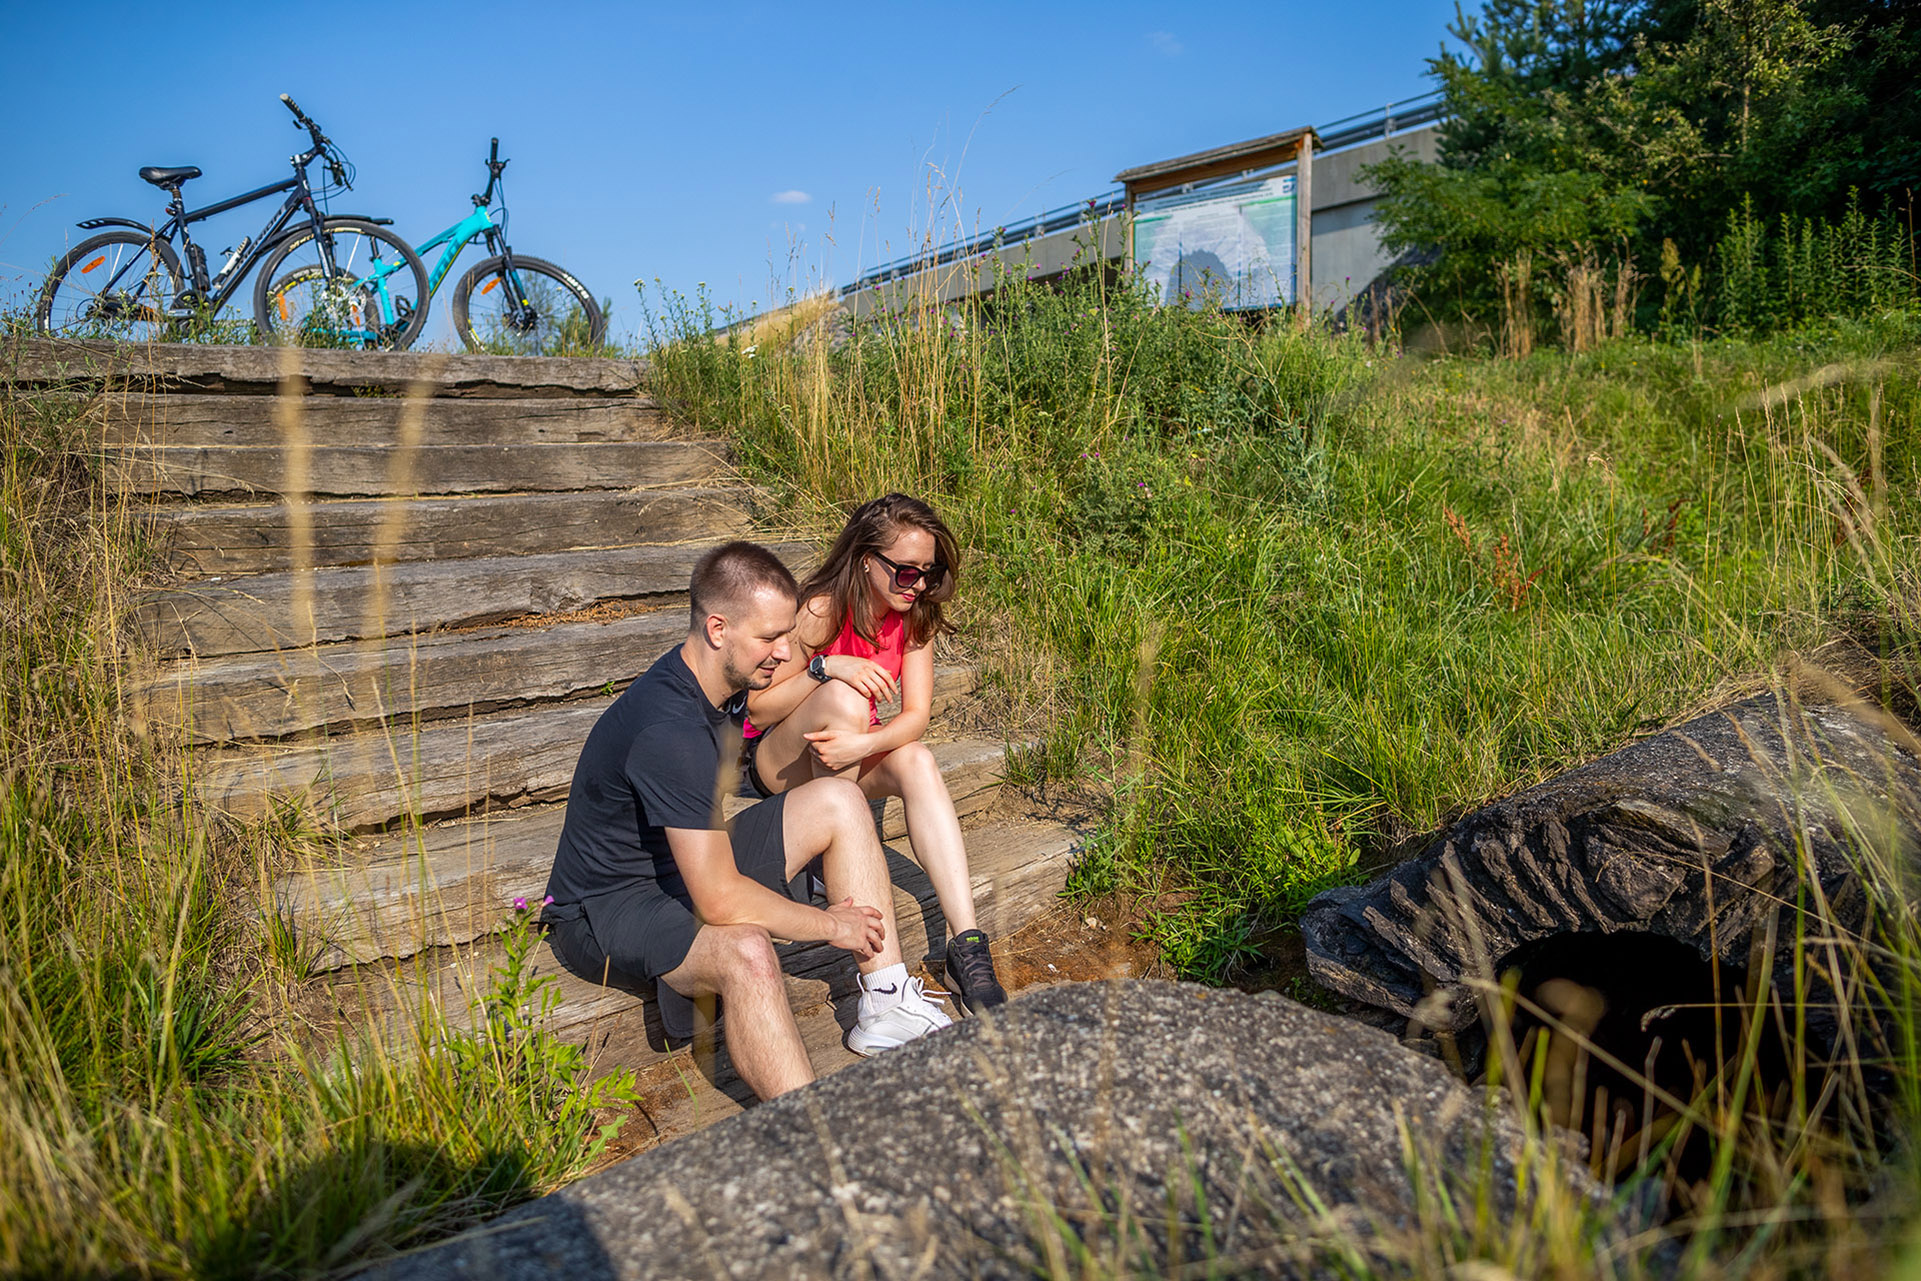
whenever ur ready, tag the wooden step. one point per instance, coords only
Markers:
(371, 421)
(451, 883)
(256, 538)
(1018, 870)
(377, 471)
(207, 367)
(260, 697)
(360, 782)
(254, 614)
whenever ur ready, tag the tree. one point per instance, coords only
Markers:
(1588, 130)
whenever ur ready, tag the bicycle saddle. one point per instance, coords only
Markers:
(160, 177)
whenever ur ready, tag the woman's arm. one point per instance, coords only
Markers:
(838, 748)
(769, 707)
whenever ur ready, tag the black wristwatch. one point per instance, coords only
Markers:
(817, 668)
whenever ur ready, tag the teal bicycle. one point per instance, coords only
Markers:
(507, 304)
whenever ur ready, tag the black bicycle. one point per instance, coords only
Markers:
(358, 285)
(508, 304)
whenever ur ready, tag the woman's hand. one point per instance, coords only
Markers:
(865, 675)
(837, 749)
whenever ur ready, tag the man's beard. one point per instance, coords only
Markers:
(751, 678)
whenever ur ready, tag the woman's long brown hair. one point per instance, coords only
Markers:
(874, 524)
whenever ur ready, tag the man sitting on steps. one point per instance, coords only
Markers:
(650, 881)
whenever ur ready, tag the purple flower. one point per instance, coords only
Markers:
(520, 904)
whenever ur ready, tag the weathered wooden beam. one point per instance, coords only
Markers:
(257, 613)
(257, 538)
(142, 418)
(371, 471)
(62, 362)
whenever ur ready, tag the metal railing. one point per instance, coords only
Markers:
(1074, 215)
(1379, 122)
(1384, 122)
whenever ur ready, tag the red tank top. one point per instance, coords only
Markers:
(889, 653)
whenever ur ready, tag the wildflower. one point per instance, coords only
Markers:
(520, 903)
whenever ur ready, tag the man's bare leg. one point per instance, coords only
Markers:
(829, 819)
(738, 964)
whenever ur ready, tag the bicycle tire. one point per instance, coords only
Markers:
(543, 334)
(72, 307)
(342, 318)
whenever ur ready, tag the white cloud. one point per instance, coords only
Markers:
(1164, 42)
(792, 197)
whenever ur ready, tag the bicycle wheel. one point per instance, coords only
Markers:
(117, 285)
(374, 297)
(560, 317)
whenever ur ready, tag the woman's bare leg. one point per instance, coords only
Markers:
(783, 759)
(911, 773)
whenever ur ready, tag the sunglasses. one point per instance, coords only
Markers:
(905, 576)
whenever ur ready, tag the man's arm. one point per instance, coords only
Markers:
(722, 896)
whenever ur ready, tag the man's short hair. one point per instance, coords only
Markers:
(726, 576)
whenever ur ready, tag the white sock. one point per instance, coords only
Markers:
(882, 989)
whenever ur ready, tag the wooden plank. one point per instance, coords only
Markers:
(366, 421)
(256, 538)
(430, 678)
(256, 613)
(379, 471)
(1304, 230)
(262, 369)
(450, 884)
(360, 782)
(1018, 870)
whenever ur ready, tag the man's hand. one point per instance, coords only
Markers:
(837, 749)
(857, 929)
(865, 675)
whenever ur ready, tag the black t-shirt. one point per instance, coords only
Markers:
(654, 760)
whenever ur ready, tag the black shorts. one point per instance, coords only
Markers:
(645, 932)
(750, 784)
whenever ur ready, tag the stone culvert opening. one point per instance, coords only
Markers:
(1652, 1023)
(1635, 896)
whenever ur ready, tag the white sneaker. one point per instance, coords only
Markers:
(914, 1015)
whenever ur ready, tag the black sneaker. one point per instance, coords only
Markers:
(970, 972)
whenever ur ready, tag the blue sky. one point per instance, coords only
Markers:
(729, 144)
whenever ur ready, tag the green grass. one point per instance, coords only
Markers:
(1286, 600)
(1282, 599)
(1289, 599)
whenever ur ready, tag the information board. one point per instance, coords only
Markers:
(1234, 243)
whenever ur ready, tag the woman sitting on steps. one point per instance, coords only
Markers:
(868, 619)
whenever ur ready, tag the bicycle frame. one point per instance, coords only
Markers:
(213, 293)
(477, 225)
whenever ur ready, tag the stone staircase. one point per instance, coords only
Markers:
(401, 589)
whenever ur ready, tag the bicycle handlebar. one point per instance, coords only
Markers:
(322, 143)
(494, 165)
(304, 121)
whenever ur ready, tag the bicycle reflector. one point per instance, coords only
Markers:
(485, 289)
(95, 263)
